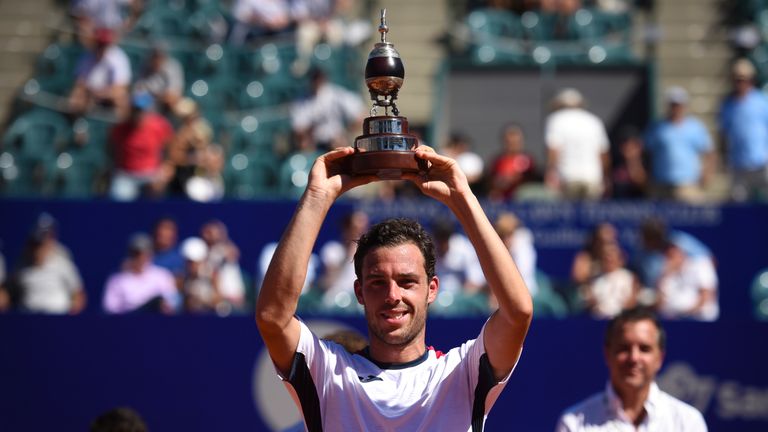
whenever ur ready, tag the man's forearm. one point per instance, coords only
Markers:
(499, 268)
(287, 271)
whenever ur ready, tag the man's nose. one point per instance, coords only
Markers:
(394, 294)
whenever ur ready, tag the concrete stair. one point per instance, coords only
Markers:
(414, 27)
(694, 53)
(26, 28)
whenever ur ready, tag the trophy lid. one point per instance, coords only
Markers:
(384, 71)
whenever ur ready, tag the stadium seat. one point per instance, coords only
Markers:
(25, 175)
(294, 173)
(55, 68)
(496, 37)
(37, 132)
(760, 295)
(248, 176)
(547, 302)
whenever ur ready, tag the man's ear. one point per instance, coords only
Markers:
(359, 292)
(434, 285)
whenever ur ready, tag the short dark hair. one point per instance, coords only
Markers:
(632, 315)
(120, 419)
(394, 232)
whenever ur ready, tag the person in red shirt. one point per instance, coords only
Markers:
(512, 166)
(138, 146)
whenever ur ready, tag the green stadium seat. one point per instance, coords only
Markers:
(547, 302)
(37, 132)
(248, 176)
(294, 173)
(759, 291)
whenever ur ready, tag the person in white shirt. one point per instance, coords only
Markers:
(103, 78)
(687, 288)
(577, 148)
(324, 119)
(398, 382)
(634, 348)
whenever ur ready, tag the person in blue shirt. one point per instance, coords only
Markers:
(166, 248)
(744, 127)
(680, 150)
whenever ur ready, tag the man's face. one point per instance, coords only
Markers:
(634, 356)
(395, 293)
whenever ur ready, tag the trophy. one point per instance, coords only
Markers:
(385, 148)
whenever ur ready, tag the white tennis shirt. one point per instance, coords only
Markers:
(339, 391)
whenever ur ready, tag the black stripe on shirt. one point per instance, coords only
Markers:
(485, 382)
(302, 382)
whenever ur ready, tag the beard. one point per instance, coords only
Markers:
(400, 336)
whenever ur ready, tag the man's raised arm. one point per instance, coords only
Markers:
(506, 329)
(279, 293)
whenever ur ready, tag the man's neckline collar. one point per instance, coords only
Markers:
(383, 365)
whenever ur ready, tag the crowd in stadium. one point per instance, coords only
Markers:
(161, 140)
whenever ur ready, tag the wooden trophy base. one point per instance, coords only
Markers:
(387, 165)
(385, 150)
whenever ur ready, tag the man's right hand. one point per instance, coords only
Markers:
(327, 179)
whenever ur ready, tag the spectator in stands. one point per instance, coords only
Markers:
(649, 260)
(614, 288)
(352, 340)
(459, 148)
(330, 21)
(223, 257)
(680, 150)
(634, 349)
(162, 77)
(138, 145)
(5, 296)
(457, 266)
(563, 26)
(577, 157)
(687, 287)
(744, 128)
(519, 241)
(259, 18)
(324, 119)
(116, 15)
(512, 167)
(200, 284)
(266, 256)
(207, 182)
(338, 275)
(188, 149)
(103, 78)
(165, 248)
(47, 280)
(587, 263)
(629, 179)
(122, 419)
(140, 286)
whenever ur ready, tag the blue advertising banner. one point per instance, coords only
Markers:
(212, 374)
(96, 232)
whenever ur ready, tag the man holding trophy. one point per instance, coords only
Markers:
(397, 382)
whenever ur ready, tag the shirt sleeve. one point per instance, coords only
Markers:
(112, 301)
(480, 371)
(122, 67)
(71, 276)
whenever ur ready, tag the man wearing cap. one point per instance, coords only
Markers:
(680, 150)
(103, 77)
(140, 285)
(744, 128)
(577, 148)
(163, 77)
(138, 145)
